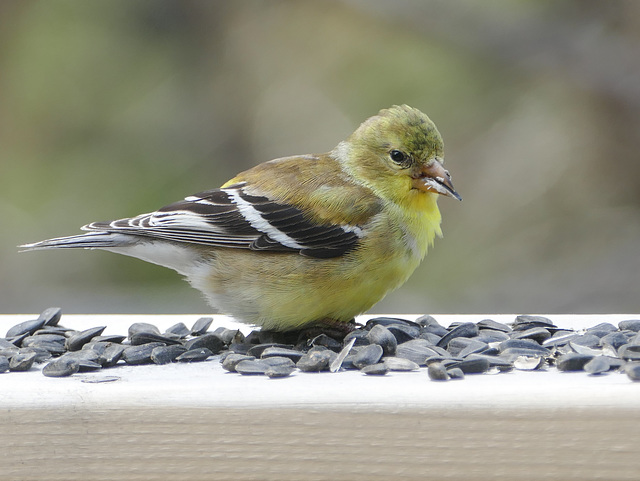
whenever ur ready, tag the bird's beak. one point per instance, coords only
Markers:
(433, 177)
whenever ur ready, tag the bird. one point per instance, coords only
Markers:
(305, 240)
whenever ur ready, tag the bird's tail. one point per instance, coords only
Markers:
(90, 240)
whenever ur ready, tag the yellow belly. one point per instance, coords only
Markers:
(264, 290)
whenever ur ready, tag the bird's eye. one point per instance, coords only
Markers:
(398, 156)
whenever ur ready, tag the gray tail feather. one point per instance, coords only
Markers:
(91, 240)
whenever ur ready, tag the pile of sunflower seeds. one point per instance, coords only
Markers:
(383, 344)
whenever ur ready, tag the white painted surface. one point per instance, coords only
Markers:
(208, 385)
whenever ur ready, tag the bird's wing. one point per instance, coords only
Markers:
(231, 217)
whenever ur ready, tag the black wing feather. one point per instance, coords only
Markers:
(230, 217)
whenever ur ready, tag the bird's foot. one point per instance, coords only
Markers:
(336, 330)
(330, 327)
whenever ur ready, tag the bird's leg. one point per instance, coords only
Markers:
(335, 329)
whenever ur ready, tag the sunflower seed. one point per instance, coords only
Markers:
(137, 327)
(135, 355)
(210, 341)
(379, 369)
(283, 352)
(633, 370)
(367, 356)
(400, 364)
(437, 372)
(466, 329)
(573, 362)
(417, 350)
(597, 365)
(279, 370)
(315, 361)
(527, 363)
(231, 361)
(201, 325)
(4, 364)
(167, 354)
(51, 316)
(629, 352)
(26, 327)
(538, 334)
(79, 339)
(473, 366)
(631, 325)
(111, 355)
(61, 367)
(493, 325)
(22, 361)
(195, 355)
(381, 336)
(179, 329)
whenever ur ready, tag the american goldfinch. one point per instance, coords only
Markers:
(302, 240)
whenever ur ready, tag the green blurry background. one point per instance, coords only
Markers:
(113, 108)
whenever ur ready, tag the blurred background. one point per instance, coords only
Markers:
(111, 109)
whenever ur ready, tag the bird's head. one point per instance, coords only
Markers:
(398, 153)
